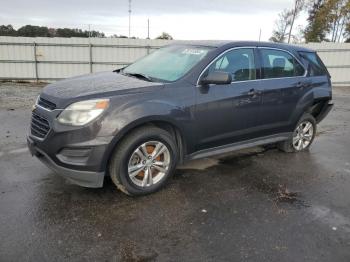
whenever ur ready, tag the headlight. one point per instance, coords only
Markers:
(81, 113)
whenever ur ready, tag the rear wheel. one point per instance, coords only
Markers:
(143, 161)
(303, 135)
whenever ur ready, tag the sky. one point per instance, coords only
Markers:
(183, 19)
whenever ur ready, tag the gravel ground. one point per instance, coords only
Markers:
(253, 205)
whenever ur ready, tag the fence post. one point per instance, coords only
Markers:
(90, 57)
(35, 62)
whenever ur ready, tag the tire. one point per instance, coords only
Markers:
(134, 167)
(306, 139)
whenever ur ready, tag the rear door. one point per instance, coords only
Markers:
(283, 83)
(229, 113)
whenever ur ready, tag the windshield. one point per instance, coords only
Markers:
(168, 63)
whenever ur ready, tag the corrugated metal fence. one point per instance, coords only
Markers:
(336, 57)
(48, 59)
(40, 58)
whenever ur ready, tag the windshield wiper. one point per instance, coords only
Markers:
(139, 75)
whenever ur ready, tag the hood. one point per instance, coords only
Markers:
(95, 84)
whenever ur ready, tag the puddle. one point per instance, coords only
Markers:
(330, 218)
(243, 166)
(278, 192)
(257, 179)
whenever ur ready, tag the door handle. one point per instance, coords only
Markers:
(253, 92)
(303, 84)
(299, 85)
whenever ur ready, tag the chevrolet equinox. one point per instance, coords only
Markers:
(181, 102)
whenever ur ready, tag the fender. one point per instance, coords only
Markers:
(320, 91)
(137, 114)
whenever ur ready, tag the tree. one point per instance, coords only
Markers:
(298, 7)
(280, 32)
(7, 30)
(339, 16)
(68, 32)
(33, 31)
(118, 36)
(315, 30)
(341, 23)
(165, 36)
(347, 33)
(285, 23)
(94, 33)
(327, 20)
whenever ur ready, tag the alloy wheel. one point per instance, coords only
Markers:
(149, 163)
(303, 135)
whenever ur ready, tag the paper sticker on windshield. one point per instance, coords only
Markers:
(189, 51)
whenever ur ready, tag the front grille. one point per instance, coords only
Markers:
(46, 104)
(39, 126)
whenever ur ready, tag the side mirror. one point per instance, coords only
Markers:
(217, 78)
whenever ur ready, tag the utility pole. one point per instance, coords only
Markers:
(297, 6)
(129, 18)
(260, 35)
(147, 28)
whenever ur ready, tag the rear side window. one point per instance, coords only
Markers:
(279, 64)
(238, 62)
(316, 67)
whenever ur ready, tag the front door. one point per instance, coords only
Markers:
(229, 113)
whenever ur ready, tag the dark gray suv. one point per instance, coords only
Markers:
(181, 102)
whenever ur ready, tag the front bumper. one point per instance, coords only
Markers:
(93, 179)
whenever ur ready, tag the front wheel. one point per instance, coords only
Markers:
(144, 161)
(303, 135)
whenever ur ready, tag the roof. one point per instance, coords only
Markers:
(228, 43)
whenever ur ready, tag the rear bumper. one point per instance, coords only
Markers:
(83, 178)
(324, 111)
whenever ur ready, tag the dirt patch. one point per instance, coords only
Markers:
(341, 90)
(18, 95)
(263, 180)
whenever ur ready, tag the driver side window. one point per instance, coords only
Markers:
(238, 62)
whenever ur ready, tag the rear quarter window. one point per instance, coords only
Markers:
(316, 67)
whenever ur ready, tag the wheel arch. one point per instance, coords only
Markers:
(162, 123)
(317, 109)
(314, 102)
